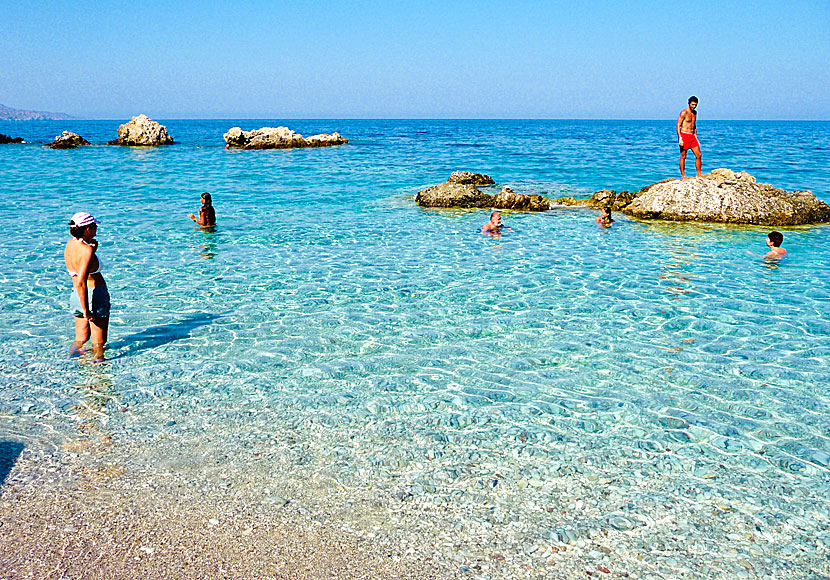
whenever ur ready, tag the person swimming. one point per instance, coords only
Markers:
(774, 241)
(605, 219)
(207, 216)
(495, 226)
(90, 299)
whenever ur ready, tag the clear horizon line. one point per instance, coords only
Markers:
(301, 118)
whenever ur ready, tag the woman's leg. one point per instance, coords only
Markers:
(81, 335)
(100, 329)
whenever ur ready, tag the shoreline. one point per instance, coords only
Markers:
(173, 507)
(102, 531)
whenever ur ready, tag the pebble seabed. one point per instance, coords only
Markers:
(223, 504)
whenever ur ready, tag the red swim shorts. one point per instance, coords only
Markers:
(689, 141)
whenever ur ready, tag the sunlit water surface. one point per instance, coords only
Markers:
(557, 381)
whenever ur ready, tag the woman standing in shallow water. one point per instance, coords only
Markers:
(90, 299)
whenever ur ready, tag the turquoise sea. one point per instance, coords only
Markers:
(653, 396)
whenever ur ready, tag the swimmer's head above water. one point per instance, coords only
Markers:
(605, 218)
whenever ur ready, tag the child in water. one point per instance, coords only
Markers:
(604, 218)
(207, 217)
(774, 241)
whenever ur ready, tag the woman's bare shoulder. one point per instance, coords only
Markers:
(73, 248)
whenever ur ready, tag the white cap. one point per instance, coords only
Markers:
(82, 218)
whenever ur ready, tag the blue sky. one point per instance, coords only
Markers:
(376, 59)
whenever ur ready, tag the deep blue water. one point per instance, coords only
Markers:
(646, 372)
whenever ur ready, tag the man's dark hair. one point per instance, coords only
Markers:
(777, 238)
(692, 99)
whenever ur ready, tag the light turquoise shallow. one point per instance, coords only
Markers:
(425, 358)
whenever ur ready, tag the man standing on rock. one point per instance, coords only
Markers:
(687, 136)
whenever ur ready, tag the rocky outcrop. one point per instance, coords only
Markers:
(470, 177)
(67, 140)
(727, 197)
(508, 199)
(720, 196)
(600, 199)
(465, 194)
(5, 139)
(453, 195)
(142, 132)
(278, 138)
(325, 140)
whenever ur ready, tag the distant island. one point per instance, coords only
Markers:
(9, 114)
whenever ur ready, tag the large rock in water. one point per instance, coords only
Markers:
(460, 191)
(470, 177)
(5, 139)
(509, 199)
(453, 195)
(727, 197)
(278, 138)
(67, 140)
(142, 132)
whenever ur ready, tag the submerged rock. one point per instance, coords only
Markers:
(727, 197)
(142, 131)
(67, 140)
(470, 177)
(278, 138)
(5, 139)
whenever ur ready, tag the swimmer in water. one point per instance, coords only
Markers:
(495, 226)
(774, 241)
(207, 217)
(605, 220)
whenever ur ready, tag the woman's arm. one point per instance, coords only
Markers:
(202, 218)
(83, 272)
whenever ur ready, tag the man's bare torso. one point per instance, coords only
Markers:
(688, 118)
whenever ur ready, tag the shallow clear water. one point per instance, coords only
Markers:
(646, 371)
